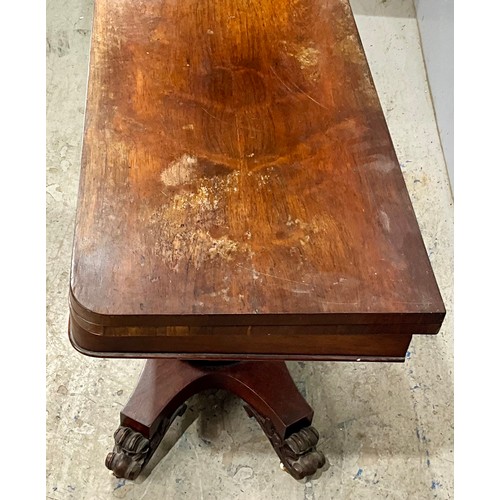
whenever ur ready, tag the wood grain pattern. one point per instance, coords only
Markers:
(237, 170)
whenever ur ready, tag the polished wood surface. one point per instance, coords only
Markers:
(238, 172)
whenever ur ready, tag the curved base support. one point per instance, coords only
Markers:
(267, 388)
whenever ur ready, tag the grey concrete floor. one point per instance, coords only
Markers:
(387, 429)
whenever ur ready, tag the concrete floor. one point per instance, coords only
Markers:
(387, 430)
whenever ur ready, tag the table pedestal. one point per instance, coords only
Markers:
(266, 387)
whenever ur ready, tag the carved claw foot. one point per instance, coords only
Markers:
(298, 453)
(132, 450)
(129, 454)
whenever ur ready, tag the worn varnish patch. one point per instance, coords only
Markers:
(179, 171)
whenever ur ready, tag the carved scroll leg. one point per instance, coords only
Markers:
(298, 452)
(158, 399)
(284, 415)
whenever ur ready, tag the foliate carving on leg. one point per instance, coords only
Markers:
(129, 454)
(298, 452)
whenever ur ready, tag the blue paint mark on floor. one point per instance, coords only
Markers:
(120, 483)
(435, 485)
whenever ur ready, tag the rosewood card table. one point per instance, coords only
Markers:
(240, 204)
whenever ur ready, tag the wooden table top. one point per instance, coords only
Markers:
(238, 176)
